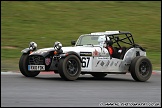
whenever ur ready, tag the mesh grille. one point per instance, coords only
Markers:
(36, 60)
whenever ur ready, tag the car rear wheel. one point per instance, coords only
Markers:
(23, 66)
(99, 75)
(69, 68)
(141, 68)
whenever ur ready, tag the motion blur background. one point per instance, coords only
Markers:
(48, 21)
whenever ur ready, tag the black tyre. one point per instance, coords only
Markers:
(23, 66)
(55, 71)
(99, 75)
(69, 68)
(141, 68)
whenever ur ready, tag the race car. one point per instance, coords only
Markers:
(97, 53)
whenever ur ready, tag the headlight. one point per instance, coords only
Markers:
(57, 45)
(32, 46)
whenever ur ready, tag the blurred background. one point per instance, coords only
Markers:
(48, 21)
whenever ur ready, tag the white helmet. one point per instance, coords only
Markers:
(102, 39)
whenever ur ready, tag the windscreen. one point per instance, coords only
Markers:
(88, 40)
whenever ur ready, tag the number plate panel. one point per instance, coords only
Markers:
(36, 67)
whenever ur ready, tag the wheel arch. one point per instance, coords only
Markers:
(72, 53)
(25, 51)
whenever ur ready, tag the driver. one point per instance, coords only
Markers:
(107, 43)
(108, 46)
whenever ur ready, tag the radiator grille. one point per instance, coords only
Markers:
(36, 60)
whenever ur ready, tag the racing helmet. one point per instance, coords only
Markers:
(102, 39)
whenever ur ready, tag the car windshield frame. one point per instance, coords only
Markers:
(88, 39)
(121, 37)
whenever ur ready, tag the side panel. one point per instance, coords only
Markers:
(89, 58)
(100, 62)
(103, 64)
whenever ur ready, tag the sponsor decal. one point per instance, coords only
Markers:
(47, 61)
(97, 63)
(120, 64)
(102, 57)
(116, 63)
(107, 64)
(95, 53)
(111, 63)
(102, 63)
(85, 53)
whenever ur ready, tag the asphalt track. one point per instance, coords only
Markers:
(49, 90)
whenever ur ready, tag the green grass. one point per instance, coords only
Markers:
(48, 21)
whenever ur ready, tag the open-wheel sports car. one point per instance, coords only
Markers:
(98, 54)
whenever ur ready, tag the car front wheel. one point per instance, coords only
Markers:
(69, 68)
(23, 66)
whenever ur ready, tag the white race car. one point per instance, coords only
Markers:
(98, 54)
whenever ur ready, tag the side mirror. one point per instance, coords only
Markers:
(73, 42)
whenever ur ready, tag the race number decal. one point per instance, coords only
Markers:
(85, 61)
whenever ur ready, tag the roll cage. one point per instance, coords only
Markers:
(115, 38)
(128, 36)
